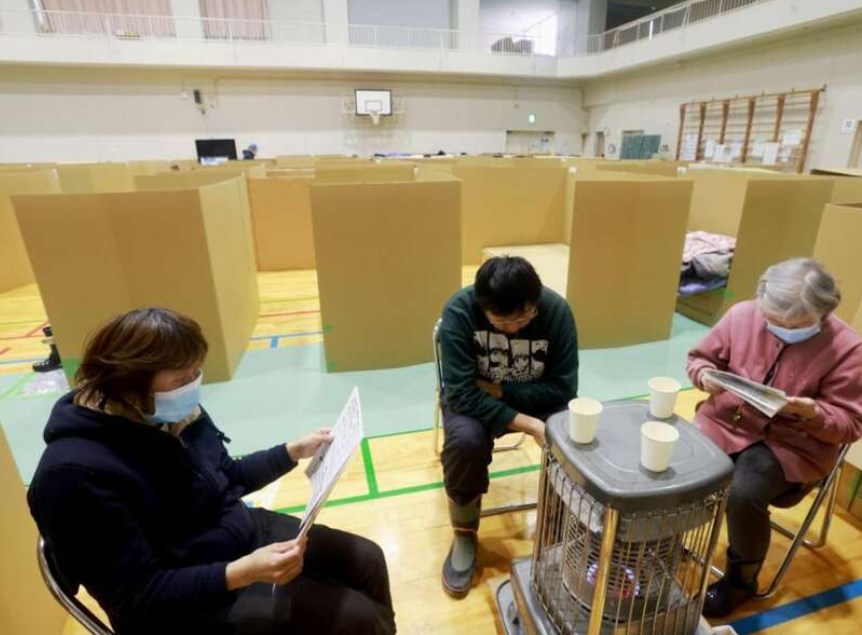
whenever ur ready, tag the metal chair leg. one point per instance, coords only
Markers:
(437, 424)
(511, 507)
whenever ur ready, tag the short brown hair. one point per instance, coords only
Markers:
(123, 355)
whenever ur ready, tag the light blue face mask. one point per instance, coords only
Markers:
(177, 404)
(794, 336)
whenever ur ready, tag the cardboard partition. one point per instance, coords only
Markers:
(295, 161)
(95, 177)
(26, 606)
(281, 219)
(187, 249)
(388, 257)
(653, 167)
(184, 180)
(838, 249)
(779, 219)
(848, 184)
(388, 172)
(149, 167)
(551, 262)
(15, 269)
(625, 251)
(246, 167)
(509, 205)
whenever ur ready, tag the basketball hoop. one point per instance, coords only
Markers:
(374, 113)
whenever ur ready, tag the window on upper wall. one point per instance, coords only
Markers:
(235, 19)
(122, 18)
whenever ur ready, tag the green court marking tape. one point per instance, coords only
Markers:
(368, 462)
(326, 328)
(15, 388)
(405, 491)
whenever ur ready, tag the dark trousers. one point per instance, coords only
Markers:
(467, 453)
(343, 588)
(757, 481)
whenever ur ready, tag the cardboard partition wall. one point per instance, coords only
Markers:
(510, 205)
(15, 269)
(281, 218)
(388, 257)
(551, 262)
(625, 250)
(655, 168)
(95, 177)
(26, 606)
(365, 172)
(297, 161)
(149, 167)
(838, 249)
(773, 219)
(848, 184)
(97, 255)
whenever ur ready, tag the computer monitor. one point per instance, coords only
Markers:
(215, 148)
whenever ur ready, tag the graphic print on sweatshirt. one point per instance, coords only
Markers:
(501, 359)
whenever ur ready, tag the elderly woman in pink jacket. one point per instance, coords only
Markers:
(789, 339)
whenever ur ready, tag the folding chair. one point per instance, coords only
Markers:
(826, 489)
(438, 424)
(65, 591)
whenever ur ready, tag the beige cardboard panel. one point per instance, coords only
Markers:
(848, 189)
(128, 250)
(656, 168)
(95, 177)
(234, 268)
(295, 161)
(510, 206)
(26, 606)
(780, 220)
(281, 219)
(838, 171)
(551, 262)
(247, 167)
(626, 248)
(184, 180)
(366, 173)
(149, 167)
(15, 269)
(388, 258)
(857, 319)
(838, 249)
(717, 200)
(71, 244)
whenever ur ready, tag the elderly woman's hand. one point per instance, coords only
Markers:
(802, 407)
(307, 446)
(708, 384)
(277, 563)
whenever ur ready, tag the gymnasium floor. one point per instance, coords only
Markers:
(392, 491)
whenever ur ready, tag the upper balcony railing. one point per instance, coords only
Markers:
(147, 27)
(676, 17)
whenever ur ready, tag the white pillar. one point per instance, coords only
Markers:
(336, 17)
(187, 19)
(17, 17)
(590, 19)
(465, 20)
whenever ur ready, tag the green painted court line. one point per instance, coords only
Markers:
(17, 386)
(405, 491)
(368, 461)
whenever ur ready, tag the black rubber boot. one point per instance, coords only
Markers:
(460, 564)
(53, 361)
(737, 587)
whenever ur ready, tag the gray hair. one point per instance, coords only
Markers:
(798, 288)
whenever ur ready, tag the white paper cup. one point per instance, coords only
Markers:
(662, 396)
(584, 414)
(657, 442)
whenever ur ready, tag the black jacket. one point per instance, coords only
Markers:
(147, 522)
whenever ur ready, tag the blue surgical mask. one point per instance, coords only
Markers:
(175, 405)
(794, 336)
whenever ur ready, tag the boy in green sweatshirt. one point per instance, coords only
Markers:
(509, 354)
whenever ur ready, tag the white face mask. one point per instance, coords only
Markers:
(175, 405)
(794, 336)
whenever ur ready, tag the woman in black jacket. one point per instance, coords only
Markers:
(141, 504)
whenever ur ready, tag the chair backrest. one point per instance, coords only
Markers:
(438, 357)
(64, 591)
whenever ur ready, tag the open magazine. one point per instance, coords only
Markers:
(766, 399)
